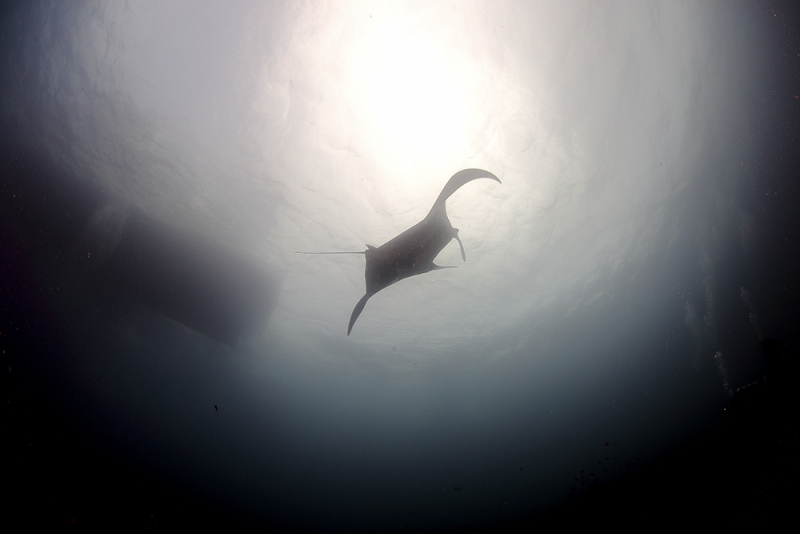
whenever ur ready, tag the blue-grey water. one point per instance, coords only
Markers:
(619, 345)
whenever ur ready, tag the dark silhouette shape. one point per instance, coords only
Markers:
(191, 280)
(413, 251)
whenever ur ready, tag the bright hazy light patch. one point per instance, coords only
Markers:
(327, 126)
(412, 95)
(583, 110)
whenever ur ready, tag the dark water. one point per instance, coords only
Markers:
(167, 365)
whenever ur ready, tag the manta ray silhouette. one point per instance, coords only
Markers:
(413, 251)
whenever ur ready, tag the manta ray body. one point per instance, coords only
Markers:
(412, 252)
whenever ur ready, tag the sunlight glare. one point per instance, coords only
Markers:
(413, 97)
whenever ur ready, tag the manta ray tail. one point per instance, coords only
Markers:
(357, 311)
(457, 180)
